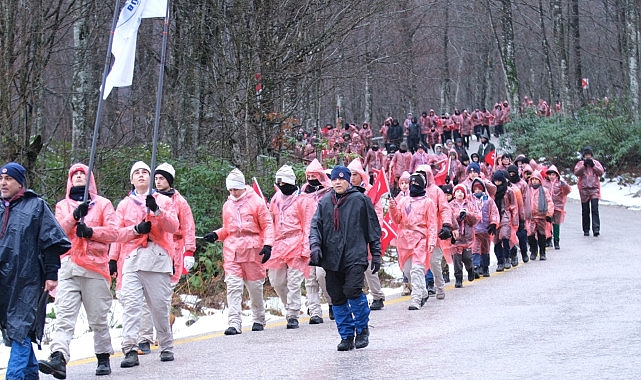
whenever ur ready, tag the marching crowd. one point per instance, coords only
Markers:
(444, 207)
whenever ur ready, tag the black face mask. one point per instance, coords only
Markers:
(286, 188)
(402, 150)
(314, 182)
(416, 190)
(514, 177)
(77, 193)
(374, 148)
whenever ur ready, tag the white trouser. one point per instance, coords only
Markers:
(235, 299)
(416, 273)
(95, 295)
(287, 281)
(373, 283)
(154, 287)
(312, 286)
(146, 333)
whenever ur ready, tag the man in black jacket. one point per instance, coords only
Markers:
(31, 242)
(343, 229)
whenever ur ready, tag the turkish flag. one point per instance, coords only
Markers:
(256, 188)
(379, 188)
(490, 157)
(387, 233)
(439, 177)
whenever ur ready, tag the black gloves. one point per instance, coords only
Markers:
(447, 179)
(113, 267)
(376, 264)
(82, 231)
(548, 219)
(461, 215)
(151, 203)
(491, 229)
(211, 237)
(445, 233)
(81, 211)
(315, 256)
(588, 162)
(143, 228)
(266, 252)
(521, 225)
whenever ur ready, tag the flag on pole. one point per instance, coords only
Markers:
(439, 177)
(256, 188)
(387, 232)
(490, 158)
(125, 37)
(379, 188)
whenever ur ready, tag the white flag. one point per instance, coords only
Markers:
(123, 46)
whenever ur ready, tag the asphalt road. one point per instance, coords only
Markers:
(575, 315)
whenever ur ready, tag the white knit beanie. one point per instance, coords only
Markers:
(286, 175)
(235, 180)
(138, 165)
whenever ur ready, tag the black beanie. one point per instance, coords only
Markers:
(168, 177)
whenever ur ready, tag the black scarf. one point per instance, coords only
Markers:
(169, 193)
(416, 190)
(77, 193)
(500, 193)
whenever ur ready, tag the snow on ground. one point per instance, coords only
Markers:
(215, 320)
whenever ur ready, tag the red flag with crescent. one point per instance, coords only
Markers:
(490, 158)
(379, 188)
(387, 233)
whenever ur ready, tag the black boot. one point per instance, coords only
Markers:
(130, 360)
(542, 245)
(458, 282)
(548, 242)
(331, 313)
(556, 245)
(56, 365)
(446, 275)
(430, 287)
(486, 271)
(534, 246)
(362, 339)
(346, 344)
(104, 367)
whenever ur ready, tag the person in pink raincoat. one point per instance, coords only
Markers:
(248, 236)
(559, 191)
(589, 172)
(83, 278)
(143, 261)
(404, 185)
(417, 220)
(539, 209)
(484, 229)
(507, 205)
(184, 245)
(437, 263)
(288, 264)
(400, 163)
(318, 184)
(359, 179)
(466, 215)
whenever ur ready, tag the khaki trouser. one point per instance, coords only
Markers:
(437, 270)
(95, 295)
(235, 299)
(287, 281)
(155, 287)
(374, 283)
(315, 284)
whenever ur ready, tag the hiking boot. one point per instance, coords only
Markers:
(499, 267)
(533, 256)
(315, 320)
(446, 277)
(407, 289)
(470, 275)
(477, 272)
(104, 367)
(257, 327)
(376, 305)
(362, 339)
(440, 296)
(430, 288)
(292, 323)
(515, 261)
(548, 242)
(556, 245)
(507, 264)
(346, 344)
(596, 234)
(412, 307)
(486, 272)
(542, 257)
(56, 365)
(331, 313)
(130, 360)
(166, 356)
(424, 299)
(458, 283)
(144, 348)
(231, 330)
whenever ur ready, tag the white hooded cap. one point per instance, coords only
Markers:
(286, 175)
(235, 180)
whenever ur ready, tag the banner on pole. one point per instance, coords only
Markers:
(125, 37)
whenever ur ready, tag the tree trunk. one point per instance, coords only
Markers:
(632, 55)
(552, 92)
(578, 66)
(560, 42)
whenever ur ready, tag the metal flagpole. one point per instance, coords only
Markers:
(96, 125)
(161, 75)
